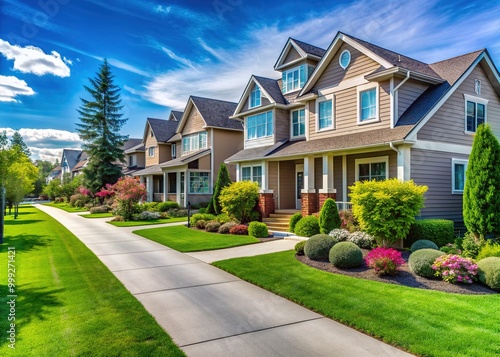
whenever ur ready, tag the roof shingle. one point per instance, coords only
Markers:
(217, 113)
(162, 129)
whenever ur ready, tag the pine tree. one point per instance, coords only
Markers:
(17, 141)
(101, 122)
(329, 218)
(223, 180)
(481, 198)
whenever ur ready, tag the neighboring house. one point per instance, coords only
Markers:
(72, 161)
(135, 159)
(54, 174)
(357, 111)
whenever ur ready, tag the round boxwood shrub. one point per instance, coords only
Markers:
(307, 226)
(423, 244)
(258, 230)
(299, 247)
(212, 226)
(226, 227)
(293, 221)
(200, 224)
(318, 246)
(420, 262)
(489, 272)
(346, 255)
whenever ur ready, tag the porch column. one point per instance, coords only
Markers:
(344, 178)
(327, 191)
(265, 176)
(237, 172)
(404, 162)
(165, 186)
(149, 188)
(266, 203)
(178, 188)
(309, 196)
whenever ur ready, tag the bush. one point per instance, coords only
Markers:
(489, 272)
(239, 229)
(99, 209)
(329, 218)
(258, 230)
(202, 210)
(451, 248)
(118, 219)
(387, 209)
(128, 192)
(361, 239)
(299, 247)
(223, 180)
(226, 227)
(423, 244)
(201, 216)
(223, 218)
(293, 221)
(212, 226)
(166, 206)
(177, 212)
(79, 203)
(421, 262)
(318, 246)
(149, 206)
(471, 245)
(239, 199)
(455, 269)
(339, 235)
(76, 197)
(348, 221)
(307, 226)
(201, 224)
(439, 231)
(384, 260)
(346, 255)
(146, 216)
(489, 250)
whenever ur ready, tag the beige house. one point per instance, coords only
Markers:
(135, 159)
(356, 111)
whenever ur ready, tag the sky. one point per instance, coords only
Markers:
(161, 52)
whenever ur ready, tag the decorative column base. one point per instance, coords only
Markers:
(323, 196)
(309, 203)
(266, 204)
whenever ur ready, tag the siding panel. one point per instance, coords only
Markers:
(272, 180)
(194, 122)
(287, 185)
(408, 93)
(281, 124)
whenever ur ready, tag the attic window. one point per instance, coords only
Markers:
(477, 86)
(345, 59)
(255, 97)
(295, 78)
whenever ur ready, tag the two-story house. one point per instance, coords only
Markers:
(356, 111)
(135, 158)
(72, 162)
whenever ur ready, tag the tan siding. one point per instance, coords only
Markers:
(282, 124)
(408, 93)
(150, 142)
(337, 177)
(291, 56)
(204, 163)
(164, 153)
(194, 122)
(448, 123)
(140, 159)
(287, 185)
(334, 74)
(226, 143)
(272, 180)
(318, 173)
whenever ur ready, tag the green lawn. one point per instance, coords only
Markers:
(97, 215)
(184, 239)
(66, 207)
(68, 303)
(424, 322)
(148, 222)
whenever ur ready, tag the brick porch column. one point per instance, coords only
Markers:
(266, 203)
(323, 196)
(309, 202)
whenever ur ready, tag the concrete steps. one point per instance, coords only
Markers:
(279, 220)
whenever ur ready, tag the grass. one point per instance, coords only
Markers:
(97, 215)
(68, 303)
(184, 239)
(66, 207)
(149, 222)
(424, 322)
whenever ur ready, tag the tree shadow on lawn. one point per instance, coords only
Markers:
(26, 242)
(16, 222)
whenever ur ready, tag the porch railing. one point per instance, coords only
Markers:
(344, 206)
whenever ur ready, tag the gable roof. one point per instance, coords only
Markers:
(162, 129)
(175, 115)
(71, 156)
(305, 50)
(131, 143)
(310, 49)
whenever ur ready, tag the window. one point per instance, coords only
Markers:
(173, 150)
(345, 59)
(477, 86)
(252, 173)
(368, 105)
(458, 169)
(325, 115)
(375, 168)
(475, 112)
(255, 97)
(298, 123)
(260, 125)
(295, 78)
(151, 151)
(199, 182)
(194, 142)
(130, 161)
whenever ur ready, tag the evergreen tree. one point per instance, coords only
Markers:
(481, 198)
(223, 180)
(329, 218)
(101, 122)
(17, 141)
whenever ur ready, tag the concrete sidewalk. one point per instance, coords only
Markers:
(209, 312)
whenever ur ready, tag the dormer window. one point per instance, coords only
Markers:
(295, 78)
(255, 97)
(194, 142)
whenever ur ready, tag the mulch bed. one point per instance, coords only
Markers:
(404, 277)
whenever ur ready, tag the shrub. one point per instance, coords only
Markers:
(201, 216)
(128, 192)
(293, 221)
(258, 230)
(471, 245)
(299, 247)
(329, 218)
(439, 231)
(361, 239)
(212, 226)
(239, 199)
(167, 205)
(339, 235)
(99, 209)
(223, 180)
(348, 221)
(177, 212)
(202, 210)
(226, 227)
(421, 262)
(118, 219)
(318, 246)
(455, 269)
(346, 255)
(146, 216)
(79, 203)
(223, 218)
(384, 260)
(387, 209)
(451, 248)
(149, 206)
(423, 244)
(201, 224)
(239, 229)
(307, 226)
(76, 197)
(489, 272)
(489, 250)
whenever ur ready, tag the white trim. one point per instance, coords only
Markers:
(348, 83)
(453, 163)
(392, 97)
(476, 100)
(344, 178)
(365, 88)
(307, 114)
(192, 171)
(251, 166)
(404, 163)
(154, 151)
(256, 86)
(371, 160)
(291, 124)
(298, 202)
(442, 147)
(273, 119)
(173, 150)
(246, 96)
(348, 61)
(479, 100)
(325, 98)
(290, 43)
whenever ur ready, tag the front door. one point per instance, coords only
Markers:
(299, 185)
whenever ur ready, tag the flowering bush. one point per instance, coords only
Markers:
(339, 235)
(347, 221)
(84, 191)
(128, 192)
(455, 269)
(384, 260)
(361, 239)
(239, 229)
(146, 216)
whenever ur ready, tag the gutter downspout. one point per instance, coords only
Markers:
(391, 145)
(394, 92)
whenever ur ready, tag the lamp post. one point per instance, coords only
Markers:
(189, 214)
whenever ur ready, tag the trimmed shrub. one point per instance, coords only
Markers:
(146, 216)
(471, 245)
(451, 248)
(223, 180)
(439, 231)
(226, 227)
(99, 209)
(118, 219)
(329, 218)
(384, 260)
(455, 269)
(318, 246)
(202, 210)
(167, 205)
(489, 250)
(489, 272)
(421, 262)
(339, 235)
(223, 218)
(201, 224)
(423, 244)
(307, 226)
(177, 212)
(79, 203)
(258, 230)
(149, 206)
(346, 255)
(201, 216)
(212, 226)
(293, 221)
(361, 239)
(299, 247)
(238, 200)
(239, 229)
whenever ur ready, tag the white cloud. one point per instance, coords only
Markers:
(177, 58)
(31, 59)
(11, 87)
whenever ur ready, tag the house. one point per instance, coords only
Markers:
(54, 174)
(72, 161)
(135, 159)
(357, 111)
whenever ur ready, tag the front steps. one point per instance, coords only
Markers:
(279, 220)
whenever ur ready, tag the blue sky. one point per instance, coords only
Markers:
(163, 51)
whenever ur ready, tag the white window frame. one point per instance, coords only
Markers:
(476, 100)
(454, 161)
(189, 182)
(372, 160)
(151, 151)
(173, 150)
(365, 88)
(348, 62)
(195, 142)
(291, 123)
(326, 98)
(251, 167)
(266, 135)
(255, 100)
(306, 69)
(477, 86)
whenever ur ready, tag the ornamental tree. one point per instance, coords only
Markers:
(128, 193)
(387, 209)
(329, 218)
(481, 199)
(238, 200)
(223, 180)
